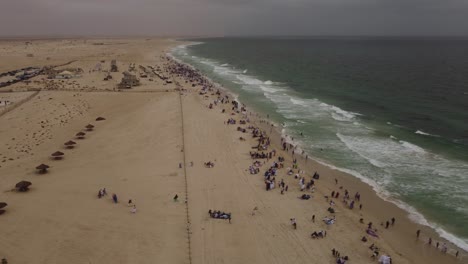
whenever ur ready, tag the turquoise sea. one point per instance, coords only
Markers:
(391, 111)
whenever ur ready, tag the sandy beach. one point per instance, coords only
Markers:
(152, 146)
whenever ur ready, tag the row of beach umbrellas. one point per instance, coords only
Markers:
(23, 186)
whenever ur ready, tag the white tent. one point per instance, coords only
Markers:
(384, 259)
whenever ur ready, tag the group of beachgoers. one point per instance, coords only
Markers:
(443, 248)
(193, 76)
(103, 192)
(186, 72)
(220, 215)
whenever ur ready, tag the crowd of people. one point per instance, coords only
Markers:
(276, 163)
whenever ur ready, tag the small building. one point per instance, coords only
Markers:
(128, 81)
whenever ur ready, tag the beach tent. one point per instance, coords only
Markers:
(384, 259)
(70, 144)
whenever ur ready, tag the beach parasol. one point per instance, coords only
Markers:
(100, 119)
(23, 186)
(89, 127)
(80, 135)
(57, 155)
(3, 205)
(42, 168)
(70, 144)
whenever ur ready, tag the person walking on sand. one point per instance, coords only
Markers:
(294, 223)
(114, 197)
(313, 218)
(175, 198)
(418, 233)
(393, 221)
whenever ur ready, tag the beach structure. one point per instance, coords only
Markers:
(80, 135)
(42, 168)
(57, 155)
(70, 144)
(100, 118)
(22, 186)
(89, 127)
(128, 81)
(114, 67)
(2, 205)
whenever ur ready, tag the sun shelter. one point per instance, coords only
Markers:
(70, 144)
(57, 155)
(100, 118)
(80, 135)
(23, 186)
(89, 127)
(42, 168)
(2, 205)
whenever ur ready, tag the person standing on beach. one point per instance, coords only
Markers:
(393, 221)
(294, 223)
(430, 241)
(418, 233)
(387, 224)
(313, 218)
(444, 248)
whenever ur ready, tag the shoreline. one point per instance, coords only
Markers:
(429, 229)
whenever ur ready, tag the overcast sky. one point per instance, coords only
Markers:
(233, 17)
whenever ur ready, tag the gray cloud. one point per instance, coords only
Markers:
(233, 17)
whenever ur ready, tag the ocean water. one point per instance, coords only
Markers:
(393, 112)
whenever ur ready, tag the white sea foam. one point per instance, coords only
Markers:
(245, 71)
(412, 147)
(425, 134)
(225, 64)
(268, 82)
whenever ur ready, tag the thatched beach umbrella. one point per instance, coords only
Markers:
(100, 118)
(3, 205)
(70, 144)
(80, 135)
(89, 127)
(23, 186)
(42, 168)
(57, 155)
